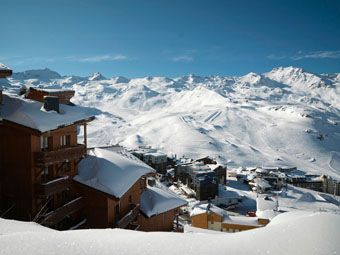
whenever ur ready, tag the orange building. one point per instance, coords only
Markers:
(211, 217)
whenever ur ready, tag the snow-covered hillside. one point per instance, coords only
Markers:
(289, 233)
(286, 117)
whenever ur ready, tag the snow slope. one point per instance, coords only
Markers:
(286, 117)
(289, 233)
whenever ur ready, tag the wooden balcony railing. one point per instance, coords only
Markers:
(46, 158)
(56, 216)
(52, 187)
(129, 217)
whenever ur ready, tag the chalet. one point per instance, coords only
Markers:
(117, 194)
(211, 217)
(38, 94)
(5, 71)
(39, 156)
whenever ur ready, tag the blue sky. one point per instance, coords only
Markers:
(136, 38)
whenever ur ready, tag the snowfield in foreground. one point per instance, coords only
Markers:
(286, 117)
(289, 233)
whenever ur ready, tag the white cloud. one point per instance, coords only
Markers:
(99, 58)
(317, 55)
(183, 58)
(275, 57)
(308, 55)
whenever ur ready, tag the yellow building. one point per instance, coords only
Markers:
(211, 217)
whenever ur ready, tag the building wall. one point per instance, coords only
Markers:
(213, 221)
(226, 227)
(200, 221)
(56, 170)
(99, 208)
(132, 196)
(206, 191)
(103, 210)
(64, 98)
(205, 219)
(16, 181)
(20, 176)
(160, 222)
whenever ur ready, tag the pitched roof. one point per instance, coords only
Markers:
(203, 208)
(158, 199)
(3, 67)
(31, 114)
(111, 172)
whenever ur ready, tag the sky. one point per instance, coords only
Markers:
(135, 38)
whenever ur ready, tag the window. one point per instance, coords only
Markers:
(65, 140)
(46, 143)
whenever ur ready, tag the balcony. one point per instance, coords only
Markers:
(46, 158)
(129, 217)
(56, 216)
(52, 187)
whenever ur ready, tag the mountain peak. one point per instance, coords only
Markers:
(295, 76)
(3, 67)
(97, 76)
(44, 74)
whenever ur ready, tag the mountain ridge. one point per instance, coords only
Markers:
(287, 116)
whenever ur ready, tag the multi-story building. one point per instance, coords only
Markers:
(39, 178)
(202, 178)
(39, 155)
(156, 160)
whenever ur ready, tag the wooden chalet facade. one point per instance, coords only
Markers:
(37, 164)
(116, 193)
(47, 177)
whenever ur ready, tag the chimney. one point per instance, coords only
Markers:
(51, 103)
(151, 182)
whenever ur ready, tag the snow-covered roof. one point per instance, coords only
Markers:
(53, 91)
(262, 183)
(267, 208)
(266, 204)
(239, 220)
(261, 171)
(111, 172)
(214, 166)
(203, 208)
(30, 113)
(3, 67)
(155, 154)
(158, 199)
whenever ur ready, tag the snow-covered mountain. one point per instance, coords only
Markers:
(287, 117)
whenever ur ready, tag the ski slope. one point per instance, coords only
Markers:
(285, 117)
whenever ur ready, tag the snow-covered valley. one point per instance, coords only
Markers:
(285, 117)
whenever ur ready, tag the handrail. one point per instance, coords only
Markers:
(129, 217)
(45, 158)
